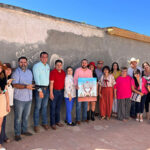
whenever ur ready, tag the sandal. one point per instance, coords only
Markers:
(102, 118)
(108, 118)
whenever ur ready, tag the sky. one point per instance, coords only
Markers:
(133, 15)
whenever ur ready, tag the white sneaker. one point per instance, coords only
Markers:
(2, 148)
(137, 119)
(141, 120)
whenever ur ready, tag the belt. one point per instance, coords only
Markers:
(59, 90)
(41, 87)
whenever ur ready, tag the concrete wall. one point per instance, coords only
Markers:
(26, 33)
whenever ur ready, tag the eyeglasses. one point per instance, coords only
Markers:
(100, 63)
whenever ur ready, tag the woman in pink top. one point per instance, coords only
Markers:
(123, 93)
(146, 75)
(143, 92)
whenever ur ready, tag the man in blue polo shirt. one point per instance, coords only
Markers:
(41, 72)
(23, 87)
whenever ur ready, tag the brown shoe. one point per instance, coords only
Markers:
(26, 133)
(17, 138)
(86, 121)
(7, 140)
(59, 124)
(53, 127)
(45, 126)
(36, 129)
(78, 122)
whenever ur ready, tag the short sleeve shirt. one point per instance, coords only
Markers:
(58, 78)
(123, 87)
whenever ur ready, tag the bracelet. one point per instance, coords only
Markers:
(25, 86)
(4, 91)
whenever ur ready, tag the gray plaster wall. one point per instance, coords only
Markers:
(26, 33)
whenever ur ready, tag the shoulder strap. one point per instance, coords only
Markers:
(140, 84)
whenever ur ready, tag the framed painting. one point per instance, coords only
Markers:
(87, 89)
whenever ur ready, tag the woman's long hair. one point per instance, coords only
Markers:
(112, 67)
(70, 67)
(137, 71)
(2, 75)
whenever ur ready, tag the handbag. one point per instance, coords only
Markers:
(137, 97)
(11, 94)
(3, 111)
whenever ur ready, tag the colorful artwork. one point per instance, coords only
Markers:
(87, 89)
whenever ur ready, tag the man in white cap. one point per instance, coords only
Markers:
(133, 65)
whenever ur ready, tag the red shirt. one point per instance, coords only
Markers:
(58, 78)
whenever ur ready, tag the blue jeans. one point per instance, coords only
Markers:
(55, 106)
(78, 109)
(69, 106)
(41, 103)
(3, 133)
(140, 106)
(22, 112)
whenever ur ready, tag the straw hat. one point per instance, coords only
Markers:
(133, 59)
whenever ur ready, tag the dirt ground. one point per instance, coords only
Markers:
(97, 135)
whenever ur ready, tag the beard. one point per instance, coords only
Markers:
(23, 67)
(84, 67)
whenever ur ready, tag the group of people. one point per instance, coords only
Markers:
(116, 87)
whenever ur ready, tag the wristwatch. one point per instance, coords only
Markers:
(39, 89)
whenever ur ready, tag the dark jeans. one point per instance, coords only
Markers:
(147, 102)
(140, 106)
(55, 106)
(133, 110)
(22, 111)
(41, 104)
(78, 109)
(3, 134)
